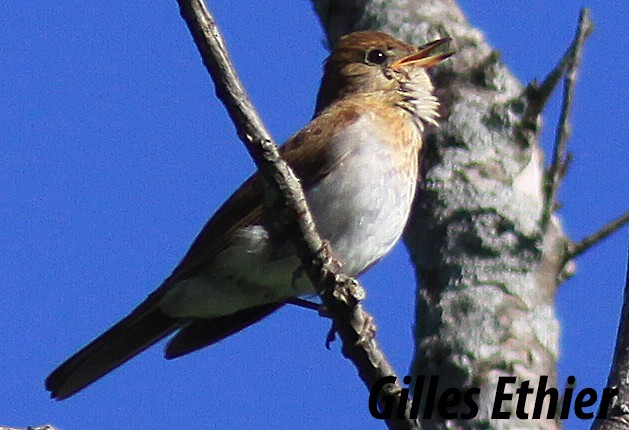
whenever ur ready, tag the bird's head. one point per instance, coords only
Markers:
(371, 62)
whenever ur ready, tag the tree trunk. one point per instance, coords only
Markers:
(488, 251)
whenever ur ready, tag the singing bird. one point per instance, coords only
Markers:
(357, 161)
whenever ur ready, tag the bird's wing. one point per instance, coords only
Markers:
(243, 208)
(201, 332)
(306, 152)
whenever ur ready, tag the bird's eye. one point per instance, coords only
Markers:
(375, 56)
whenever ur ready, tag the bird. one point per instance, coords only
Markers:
(357, 161)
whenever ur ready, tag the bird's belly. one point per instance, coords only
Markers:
(253, 270)
(360, 207)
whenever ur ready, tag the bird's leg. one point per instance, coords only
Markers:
(306, 304)
(323, 312)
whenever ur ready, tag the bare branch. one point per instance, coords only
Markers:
(591, 240)
(570, 63)
(618, 415)
(44, 427)
(340, 294)
(539, 94)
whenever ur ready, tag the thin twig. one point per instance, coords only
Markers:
(591, 240)
(539, 94)
(571, 63)
(339, 294)
(618, 417)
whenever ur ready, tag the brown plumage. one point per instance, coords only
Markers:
(357, 161)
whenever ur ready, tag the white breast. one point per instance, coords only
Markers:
(361, 206)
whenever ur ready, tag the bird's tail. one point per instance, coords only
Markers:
(145, 326)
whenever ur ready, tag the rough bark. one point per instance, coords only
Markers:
(487, 263)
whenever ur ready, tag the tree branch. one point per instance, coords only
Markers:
(570, 63)
(44, 427)
(340, 294)
(618, 415)
(538, 95)
(487, 271)
(591, 240)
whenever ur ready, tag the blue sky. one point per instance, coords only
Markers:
(115, 152)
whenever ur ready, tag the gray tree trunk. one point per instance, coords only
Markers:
(488, 256)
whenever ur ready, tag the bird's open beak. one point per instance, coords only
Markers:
(422, 57)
